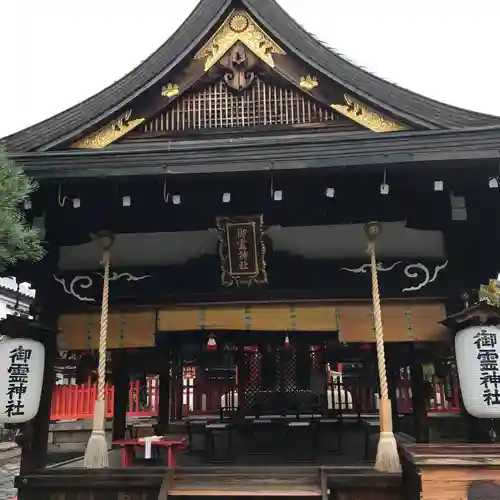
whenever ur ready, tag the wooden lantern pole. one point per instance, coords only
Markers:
(96, 453)
(387, 451)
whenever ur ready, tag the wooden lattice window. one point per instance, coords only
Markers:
(263, 104)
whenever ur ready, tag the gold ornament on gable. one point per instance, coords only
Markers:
(366, 116)
(308, 82)
(490, 293)
(170, 90)
(239, 26)
(109, 133)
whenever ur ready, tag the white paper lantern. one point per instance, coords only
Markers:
(477, 350)
(21, 379)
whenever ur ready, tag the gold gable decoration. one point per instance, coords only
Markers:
(170, 90)
(490, 293)
(109, 133)
(366, 116)
(239, 26)
(308, 82)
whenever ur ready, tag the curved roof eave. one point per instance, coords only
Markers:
(409, 106)
(403, 103)
(83, 115)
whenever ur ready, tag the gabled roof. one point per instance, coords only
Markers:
(408, 106)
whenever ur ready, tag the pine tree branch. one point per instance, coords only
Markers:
(18, 239)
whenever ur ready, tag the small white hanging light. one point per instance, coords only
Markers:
(438, 185)
(384, 187)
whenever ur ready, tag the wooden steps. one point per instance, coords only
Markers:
(252, 482)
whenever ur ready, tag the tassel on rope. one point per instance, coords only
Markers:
(387, 451)
(96, 453)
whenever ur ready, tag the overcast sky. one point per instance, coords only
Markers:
(56, 53)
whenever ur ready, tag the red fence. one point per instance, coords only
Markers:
(77, 401)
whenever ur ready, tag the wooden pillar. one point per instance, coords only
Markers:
(122, 383)
(419, 397)
(34, 456)
(176, 388)
(179, 387)
(393, 379)
(164, 393)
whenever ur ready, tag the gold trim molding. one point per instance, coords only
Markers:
(366, 116)
(239, 26)
(308, 82)
(109, 133)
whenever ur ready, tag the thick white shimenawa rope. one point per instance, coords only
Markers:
(387, 451)
(96, 453)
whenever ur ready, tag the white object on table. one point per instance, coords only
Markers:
(147, 445)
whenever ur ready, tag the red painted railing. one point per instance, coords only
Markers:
(77, 401)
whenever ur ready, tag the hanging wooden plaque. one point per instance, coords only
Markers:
(242, 250)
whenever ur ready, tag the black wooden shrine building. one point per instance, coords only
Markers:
(236, 168)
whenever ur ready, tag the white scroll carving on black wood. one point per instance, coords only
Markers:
(413, 271)
(78, 283)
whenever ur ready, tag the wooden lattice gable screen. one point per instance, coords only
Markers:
(263, 104)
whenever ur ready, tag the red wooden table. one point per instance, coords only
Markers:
(129, 446)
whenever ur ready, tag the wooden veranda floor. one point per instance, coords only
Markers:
(269, 447)
(265, 448)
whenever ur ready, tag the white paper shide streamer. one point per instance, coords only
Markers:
(148, 445)
(477, 351)
(147, 448)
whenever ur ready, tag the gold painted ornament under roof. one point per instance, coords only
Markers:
(367, 116)
(110, 132)
(308, 82)
(170, 90)
(239, 26)
(238, 23)
(490, 293)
